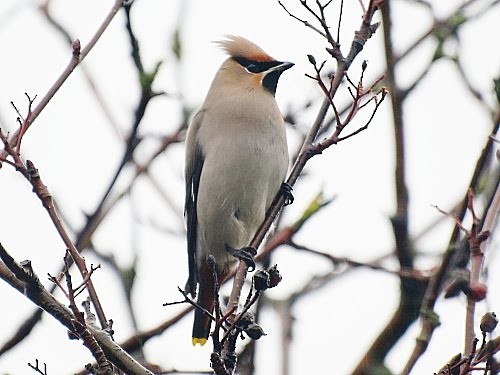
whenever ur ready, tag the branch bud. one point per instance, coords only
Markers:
(311, 59)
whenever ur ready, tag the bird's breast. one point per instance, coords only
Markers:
(246, 160)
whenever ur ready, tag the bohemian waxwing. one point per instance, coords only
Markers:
(236, 161)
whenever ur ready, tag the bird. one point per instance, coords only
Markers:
(236, 162)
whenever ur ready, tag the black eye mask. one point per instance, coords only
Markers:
(255, 66)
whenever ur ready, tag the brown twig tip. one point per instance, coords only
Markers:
(76, 46)
(470, 205)
(458, 222)
(37, 368)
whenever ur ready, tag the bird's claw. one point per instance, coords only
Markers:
(245, 254)
(286, 190)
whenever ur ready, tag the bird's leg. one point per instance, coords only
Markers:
(286, 191)
(245, 254)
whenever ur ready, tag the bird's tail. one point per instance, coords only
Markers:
(206, 299)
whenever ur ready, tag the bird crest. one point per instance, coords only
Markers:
(237, 46)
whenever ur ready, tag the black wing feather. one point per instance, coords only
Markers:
(192, 221)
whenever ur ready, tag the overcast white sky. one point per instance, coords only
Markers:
(76, 152)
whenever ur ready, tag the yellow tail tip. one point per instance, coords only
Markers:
(199, 341)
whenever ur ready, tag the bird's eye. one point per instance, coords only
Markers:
(252, 68)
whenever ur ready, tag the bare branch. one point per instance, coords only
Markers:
(78, 55)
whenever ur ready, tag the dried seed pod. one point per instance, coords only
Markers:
(254, 331)
(274, 276)
(261, 280)
(489, 322)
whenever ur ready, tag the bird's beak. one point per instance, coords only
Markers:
(281, 67)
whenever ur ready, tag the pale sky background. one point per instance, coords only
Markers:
(76, 152)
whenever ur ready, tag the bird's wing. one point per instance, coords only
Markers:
(194, 165)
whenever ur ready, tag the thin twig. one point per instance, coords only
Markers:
(340, 20)
(406, 273)
(77, 56)
(306, 23)
(98, 94)
(37, 368)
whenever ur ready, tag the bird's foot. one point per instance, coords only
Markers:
(245, 254)
(286, 190)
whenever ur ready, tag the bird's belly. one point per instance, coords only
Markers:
(234, 195)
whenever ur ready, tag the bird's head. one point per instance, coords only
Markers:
(249, 64)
